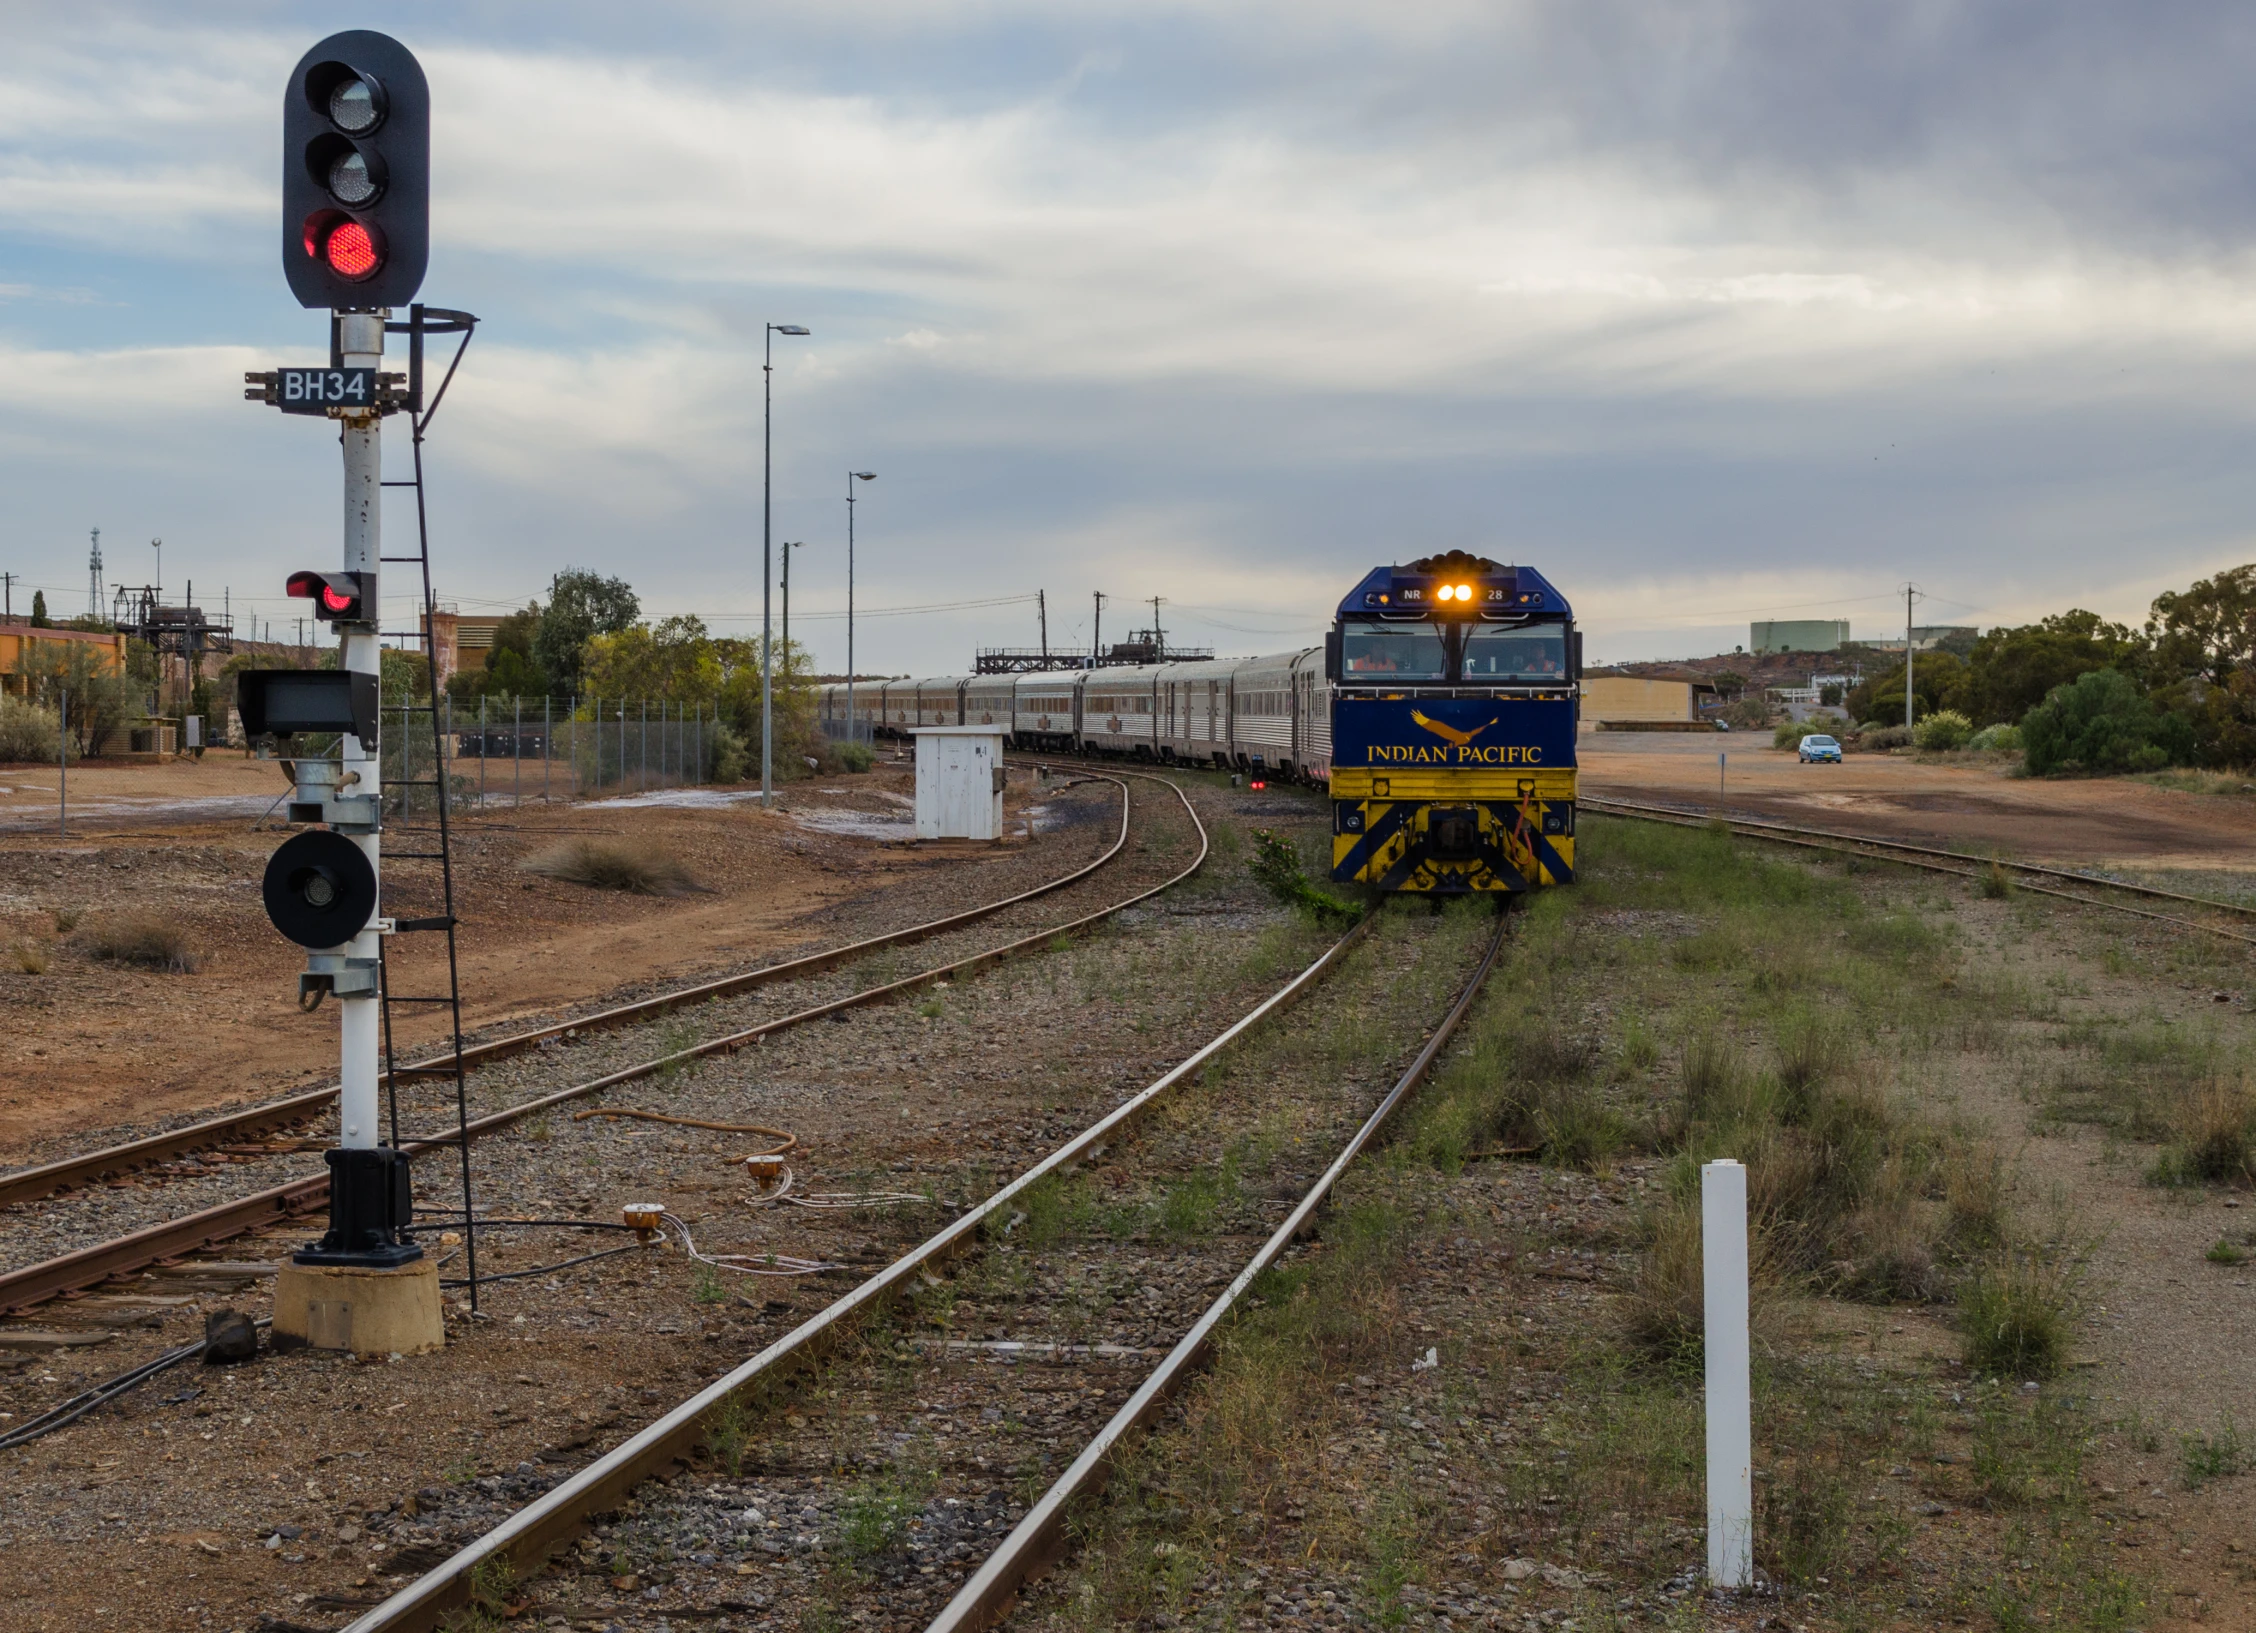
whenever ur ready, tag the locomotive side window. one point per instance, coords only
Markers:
(1533, 652)
(1402, 652)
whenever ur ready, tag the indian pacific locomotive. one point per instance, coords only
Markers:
(1454, 702)
(1445, 724)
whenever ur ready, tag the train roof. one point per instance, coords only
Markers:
(1407, 589)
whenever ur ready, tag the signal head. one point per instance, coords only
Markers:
(338, 598)
(356, 135)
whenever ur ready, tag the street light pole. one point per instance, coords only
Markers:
(767, 558)
(851, 478)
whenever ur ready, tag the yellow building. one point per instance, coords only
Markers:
(16, 639)
(1631, 700)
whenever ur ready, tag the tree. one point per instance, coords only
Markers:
(100, 700)
(1938, 681)
(2209, 629)
(2101, 722)
(39, 618)
(581, 606)
(2013, 670)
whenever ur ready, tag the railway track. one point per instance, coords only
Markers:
(254, 1122)
(1938, 859)
(522, 1543)
(32, 1285)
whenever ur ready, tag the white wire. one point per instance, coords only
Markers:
(768, 1264)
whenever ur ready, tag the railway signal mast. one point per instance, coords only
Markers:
(356, 121)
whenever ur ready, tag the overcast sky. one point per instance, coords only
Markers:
(1711, 311)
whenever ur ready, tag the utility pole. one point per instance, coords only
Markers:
(851, 478)
(1042, 611)
(1096, 653)
(1908, 590)
(1159, 640)
(94, 578)
(8, 595)
(789, 545)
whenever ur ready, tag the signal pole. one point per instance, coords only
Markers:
(1096, 646)
(361, 339)
(1042, 611)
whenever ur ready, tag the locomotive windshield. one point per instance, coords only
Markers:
(1398, 651)
(1531, 652)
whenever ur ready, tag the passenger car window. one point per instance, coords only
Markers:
(1532, 652)
(1415, 652)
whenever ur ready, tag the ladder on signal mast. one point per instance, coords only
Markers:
(437, 840)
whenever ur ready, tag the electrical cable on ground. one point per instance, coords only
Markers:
(102, 1393)
(790, 1140)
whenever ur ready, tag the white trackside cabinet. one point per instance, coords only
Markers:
(959, 782)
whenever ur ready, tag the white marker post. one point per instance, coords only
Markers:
(1731, 1457)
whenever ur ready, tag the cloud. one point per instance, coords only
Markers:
(1713, 308)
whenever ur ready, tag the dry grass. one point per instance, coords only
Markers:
(146, 939)
(616, 864)
(31, 958)
(2217, 1135)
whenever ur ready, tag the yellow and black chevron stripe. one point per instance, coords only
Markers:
(1453, 831)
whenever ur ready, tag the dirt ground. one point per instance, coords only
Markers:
(1973, 804)
(94, 1043)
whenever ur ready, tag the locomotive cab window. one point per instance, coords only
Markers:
(1397, 651)
(1529, 652)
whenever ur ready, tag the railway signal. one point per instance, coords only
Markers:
(338, 598)
(356, 173)
(356, 122)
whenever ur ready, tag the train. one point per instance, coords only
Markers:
(1440, 713)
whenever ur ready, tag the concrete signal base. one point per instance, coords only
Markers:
(370, 1312)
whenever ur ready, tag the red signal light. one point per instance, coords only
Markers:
(351, 252)
(335, 602)
(349, 248)
(1258, 783)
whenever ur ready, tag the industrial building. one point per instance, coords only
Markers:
(1798, 635)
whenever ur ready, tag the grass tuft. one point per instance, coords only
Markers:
(614, 864)
(31, 958)
(2215, 1456)
(2015, 1313)
(146, 939)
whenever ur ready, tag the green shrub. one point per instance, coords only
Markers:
(2102, 723)
(732, 759)
(856, 756)
(1879, 738)
(1944, 729)
(1789, 734)
(28, 733)
(1277, 865)
(1996, 740)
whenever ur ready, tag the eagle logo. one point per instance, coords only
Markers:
(1448, 733)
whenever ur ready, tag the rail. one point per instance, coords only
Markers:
(529, 1535)
(1040, 1538)
(74, 1272)
(29, 1184)
(1931, 858)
